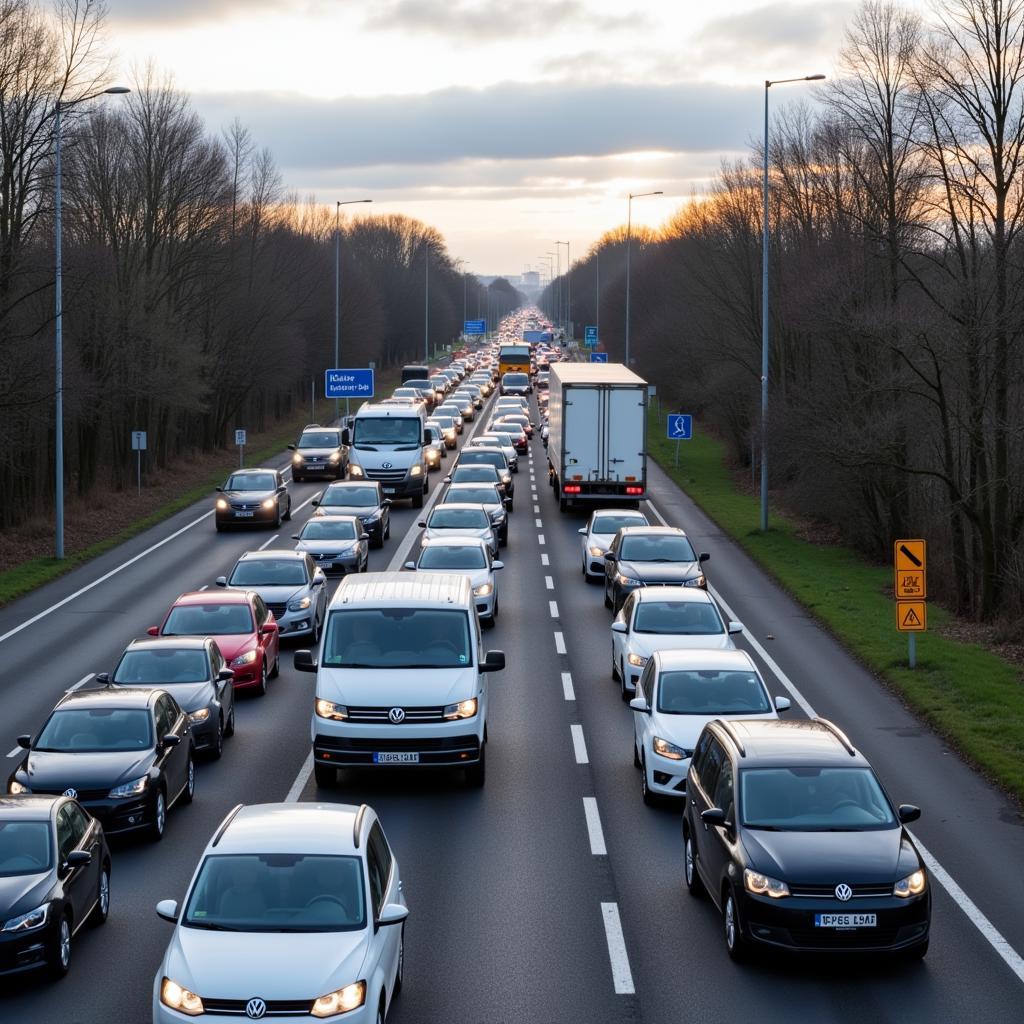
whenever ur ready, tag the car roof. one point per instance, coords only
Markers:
(348, 485)
(449, 542)
(401, 588)
(355, 520)
(28, 806)
(704, 659)
(465, 485)
(660, 531)
(217, 596)
(110, 697)
(254, 471)
(678, 595)
(155, 643)
(265, 553)
(290, 828)
(780, 743)
(635, 513)
(448, 505)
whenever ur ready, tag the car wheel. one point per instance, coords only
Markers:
(377, 542)
(220, 527)
(476, 774)
(325, 775)
(217, 750)
(189, 792)
(400, 972)
(624, 693)
(494, 613)
(734, 943)
(102, 908)
(387, 530)
(417, 500)
(615, 668)
(637, 763)
(261, 689)
(59, 954)
(229, 729)
(288, 511)
(607, 599)
(650, 800)
(276, 670)
(314, 633)
(694, 885)
(563, 505)
(159, 822)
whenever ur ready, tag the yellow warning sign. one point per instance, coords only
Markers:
(909, 558)
(911, 616)
(909, 555)
(910, 584)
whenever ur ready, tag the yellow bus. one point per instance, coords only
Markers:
(514, 359)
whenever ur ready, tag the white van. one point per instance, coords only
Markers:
(402, 677)
(387, 445)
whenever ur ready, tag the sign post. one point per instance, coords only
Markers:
(138, 446)
(240, 441)
(910, 568)
(679, 427)
(590, 336)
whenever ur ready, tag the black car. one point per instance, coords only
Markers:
(789, 831)
(319, 453)
(193, 670)
(495, 457)
(251, 496)
(54, 878)
(650, 556)
(125, 754)
(465, 473)
(362, 499)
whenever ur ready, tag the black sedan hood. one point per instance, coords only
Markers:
(661, 573)
(46, 772)
(21, 893)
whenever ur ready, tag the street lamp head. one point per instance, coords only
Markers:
(116, 90)
(814, 78)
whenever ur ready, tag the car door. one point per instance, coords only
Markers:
(164, 760)
(177, 725)
(318, 584)
(720, 839)
(384, 887)
(79, 880)
(619, 640)
(701, 795)
(224, 688)
(266, 641)
(610, 567)
(282, 494)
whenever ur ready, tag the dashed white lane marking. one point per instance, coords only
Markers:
(594, 830)
(544, 560)
(549, 583)
(992, 935)
(538, 523)
(567, 690)
(16, 751)
(300, 780)
(553, 608)
(540, 539)
(204, 587)
(536, 508)
(559, 643)
(579, 744)
(622, 977)
(267, 543)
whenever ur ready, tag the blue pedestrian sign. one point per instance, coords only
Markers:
(599, 357)
(680, 427)
(348, 384)
(474, 327)
(590, 336)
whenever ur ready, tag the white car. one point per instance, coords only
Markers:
(678, 694)
(599, 533)
(665, 619)
(460, 520)
(294, 910)
(464, 556)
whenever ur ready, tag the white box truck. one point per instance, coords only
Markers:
(597, 434)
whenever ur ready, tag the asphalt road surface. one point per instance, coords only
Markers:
(553, 894)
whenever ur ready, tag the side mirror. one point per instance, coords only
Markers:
(410, 565)
(909, 813)
(269, 627)
(447, 480)
(494, 661)
(782, 704)
(422, 524)
(153, 631)
(345, 436)
(315, 502)
(219, 490)
(305, 662)
(506, 501)
(713, 816)
(222, 581)
(703, 557)
(296, 536)
(170, 740)
(364, 536)
(609, 557)
(497, 565)
(393, 913)
(319, 579)
(78, 858)
(640, 704)
(735, 627)
(618, 626)
(225, 674)
(291, 447)
(386, 503)
(168, 910)
(426, 437)
(582, 531)
(25, 742)
(103, 678)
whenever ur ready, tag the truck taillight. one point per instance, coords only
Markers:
(571, 489)
(634, 490)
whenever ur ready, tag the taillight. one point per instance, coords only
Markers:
(571, 489)
(634, 490)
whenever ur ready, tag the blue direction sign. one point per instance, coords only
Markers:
(599, 357)
(474, 327)
(590, 336)
(348, 384)
(680, 427)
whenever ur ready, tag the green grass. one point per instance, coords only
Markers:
(971, 696)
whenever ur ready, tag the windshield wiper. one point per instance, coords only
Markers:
(364, 447)
(767, 828)
(211, 926)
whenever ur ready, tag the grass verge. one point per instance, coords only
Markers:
(971, 696)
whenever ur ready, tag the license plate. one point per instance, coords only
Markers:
(311, 468)
(389, 490)
(845, 920)
(244, 515)
(325, 562)
(395, 758)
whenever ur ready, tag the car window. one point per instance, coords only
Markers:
(711, 766)
(164, 721)
(681, 618)
(78, 821)
(484, 494)
(453, 556)
(644, 683)
(700, 752)
(159, 666)
(656, 548)
(358, 497)
(458, 518)
(260, 611)
(326, 529)
(723, 797)
(397, 638)
(216, 659)
(208, 620)
(94, 730)
(65, 834)
(710, 692)
(269, 572)
(319, 439)
(627, 609)
(251, 482)
(611, 524)
(378, 863)
(25, 848)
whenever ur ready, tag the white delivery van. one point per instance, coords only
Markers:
(401, 678)
(387, 444)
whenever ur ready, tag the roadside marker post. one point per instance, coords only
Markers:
(138, 446)
(910, 567)
(240, 441)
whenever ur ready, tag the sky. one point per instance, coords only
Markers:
(506, 124)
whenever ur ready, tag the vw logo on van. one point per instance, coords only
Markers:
(73, 793)
(387, 465)
(843, 892)
(396, 716)
(255, 1009)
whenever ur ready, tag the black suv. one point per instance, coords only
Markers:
(650, 556)
(319, 453)
(789, 831)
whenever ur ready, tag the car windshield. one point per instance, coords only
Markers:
(810, 799)
(680, 618)
(663, 548)
(483, 494)
(454, 556)
(358, 496)
(388, 430)
(319, 529)
(447, 422)
(471, 474)
(92, 730)
(278, 892)
(397, 638)
(493, 459)
(208, 620)
(613, 523)
(269, 572)
(516, 380)
(458, 518)
(250, 482)
(25, 848)
(319, 439)
(161, 666)
(711, 692)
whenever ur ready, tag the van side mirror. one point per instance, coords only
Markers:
(304, 662)
(494, 661)
(346, 435)
(703, 557)
(426, 437)
(909, 813)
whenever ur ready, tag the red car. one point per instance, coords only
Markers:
(240, 622)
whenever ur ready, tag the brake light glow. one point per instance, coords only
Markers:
(634, 490)
(571, 489)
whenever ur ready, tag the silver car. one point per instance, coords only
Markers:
(464, 556)
(487, 495)
(599, 533)
(460, 520)
(336, 543)
(292, 586)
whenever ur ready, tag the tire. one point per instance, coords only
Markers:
(650, 799)
(276, 670)
(494, 614)
(189, 792)
(220, 527)
(216, 752)
(607, 599)
(229, 729)
(158, 825)
(326, 777)
(314, 635)
(735, 944)
(276, 524)
(616, 676)
(102, 909)
(261, 689)
(58, 955)
(387, 530)
(417, 500)
(476, 774)
(400, 973)
(694, 885)
(563, 505)
(623, 692)
(637, 763)
(377, 542)
(288, 514)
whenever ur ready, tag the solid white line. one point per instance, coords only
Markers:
(622, 977)
(567, 690)
(300, 780)
(81, 682)
(559, 643)
(549, 583)
(553, 608)
(203, 587)
(16, 751)
(544, 560)
(992, 935)
(594, 830)
(579, 744)
(540, 539)
(266, 544)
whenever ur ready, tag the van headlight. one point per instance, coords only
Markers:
(351, 997)
(296, 459)
(180, 999)
(354, 470)
(335, 457)
(464, 709)
(416, 470)
(328, 709)
(912, 885)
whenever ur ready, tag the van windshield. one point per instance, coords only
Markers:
(397, 638)
(397, 430)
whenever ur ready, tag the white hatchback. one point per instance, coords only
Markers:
(294, 910)
(599, 533)
(464, 556)
(678, 694)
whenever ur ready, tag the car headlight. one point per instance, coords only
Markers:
(416, 470)
(697, 581)
(180, 999)
(626, 581)
(764, 885)
(464, 709)
(221, 504)
(483, 590)
(28, 922)
(199, 716)
(335, 457)
(129, 789)
(16, 787)
(354, 470)
(636, 659)
(670, 750)
(328, 709)
(595, 551)
(244, 659)
(912, 885)
(269, 502)
(351, 997)
(302, 602)
(296, 459)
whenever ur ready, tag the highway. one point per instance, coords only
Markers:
(553, 894)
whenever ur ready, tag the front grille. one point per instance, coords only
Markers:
(275, 1007)
(828, 892)
(244, 506)
(412, 715)
(277, 610)
(390, 475)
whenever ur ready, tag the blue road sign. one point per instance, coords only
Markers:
(599, 357)
(474, 327)
(348, 384)
(590, 336)
(680, 427)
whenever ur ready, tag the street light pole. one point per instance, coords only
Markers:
(568, 285)
(629, 249)
(58, 289)
(426, 302)
(597, 289)
(337, 289)
(764, 298)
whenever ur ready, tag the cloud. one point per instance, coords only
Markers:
(181, 11)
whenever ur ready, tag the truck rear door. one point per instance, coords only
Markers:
(623, 435)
